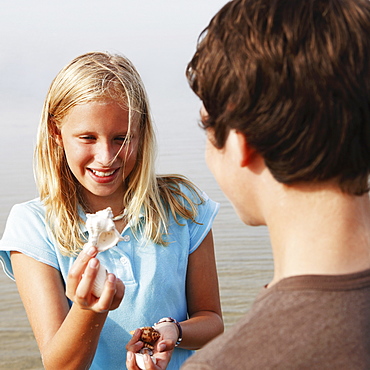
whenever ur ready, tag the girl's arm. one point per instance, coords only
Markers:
(67, 338)
(204, 307)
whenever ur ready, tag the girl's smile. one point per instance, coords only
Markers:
(103, 176)
(101, 150)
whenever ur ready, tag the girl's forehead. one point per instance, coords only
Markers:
(98, 113)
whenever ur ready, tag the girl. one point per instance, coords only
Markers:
(95, 149)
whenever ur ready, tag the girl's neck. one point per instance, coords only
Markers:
(118, 212)
(92, 204)
(119, 216)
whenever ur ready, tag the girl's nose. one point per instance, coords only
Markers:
(105, 154)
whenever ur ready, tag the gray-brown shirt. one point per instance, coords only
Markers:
(302, 322)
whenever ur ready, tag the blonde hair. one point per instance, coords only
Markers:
(93, 77)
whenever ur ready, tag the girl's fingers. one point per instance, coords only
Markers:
(120, 289)
(135, 344)
(163, 358)
(78, 270)
(165, 345)
(79, 266)
(107, 296)
(111, 296)
(131, 361)
(86, 254)
(83, 293)
(81, 279)
(120, 292)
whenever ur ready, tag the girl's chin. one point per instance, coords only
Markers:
(93, 195)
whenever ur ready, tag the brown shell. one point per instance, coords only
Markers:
(149, 336)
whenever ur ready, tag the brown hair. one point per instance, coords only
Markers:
(294, 77)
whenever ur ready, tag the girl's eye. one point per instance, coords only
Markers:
(122, 139)
(87, 137)
(119, 139)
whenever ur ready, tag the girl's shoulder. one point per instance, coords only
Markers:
(185, 199)
(30, 208)
(26, 231)
(27, 218)
(181, 188)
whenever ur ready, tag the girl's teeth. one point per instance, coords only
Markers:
(102, 174)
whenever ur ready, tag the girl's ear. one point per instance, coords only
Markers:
(56, 134)
(246, 152)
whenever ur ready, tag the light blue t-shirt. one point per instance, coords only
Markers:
(154, 275)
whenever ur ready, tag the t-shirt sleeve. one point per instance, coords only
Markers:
(207, 212)
(25, 232)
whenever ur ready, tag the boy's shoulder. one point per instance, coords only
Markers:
(294, 325)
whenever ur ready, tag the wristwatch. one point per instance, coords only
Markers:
(170, 319)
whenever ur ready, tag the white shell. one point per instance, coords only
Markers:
(140, 360)
(102, 231)
(99, 282)
(102, 235)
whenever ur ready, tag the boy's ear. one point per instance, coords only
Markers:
(246, 152)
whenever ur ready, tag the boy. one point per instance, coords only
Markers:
(285, 86)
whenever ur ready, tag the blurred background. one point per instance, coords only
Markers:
(38, 38)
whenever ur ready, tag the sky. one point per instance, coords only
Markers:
(39, 37)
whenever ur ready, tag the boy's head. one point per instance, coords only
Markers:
(294, 78)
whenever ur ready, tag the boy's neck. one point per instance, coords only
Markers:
(319, 231)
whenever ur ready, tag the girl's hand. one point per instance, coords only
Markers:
(163, 350)
(80, 282)
(163, 358)
(169, 335)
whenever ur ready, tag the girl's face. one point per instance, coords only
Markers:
(92, 136)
